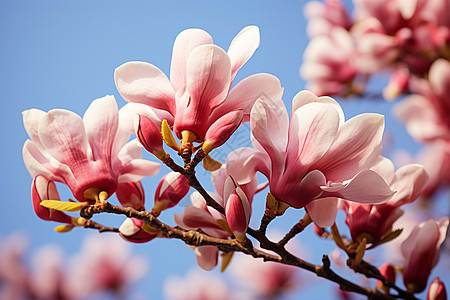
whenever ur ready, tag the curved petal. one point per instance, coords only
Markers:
(141, 82)
(270, 133)
(31, 119)
(207, 257)
(38, 163)
(366, 187)
(221, 130)
(258, 86)
(311, 133)
(243, 163)
(63, 135)
(195, 218)
(410, 181)
(305, 97)
(439, 76)
(185, 42)
(137, 169)
(101, 121)
(218, 178)
(208, 77)
(242, 48)
(385, 168)
(357, 146)
(323, 211)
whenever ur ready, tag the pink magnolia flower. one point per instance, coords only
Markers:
(206, 218)
(421, 252)
(316, 159)
(171, 189)
(131, 194)
(330, 72)
(268, 280)
(426, 112)
(105, 263)
(437, 290)
(323, 17)
(197, 285)
(89, 155)
(198, 93)
(374, 221)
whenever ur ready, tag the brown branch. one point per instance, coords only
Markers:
(193, 182)
(296, 229)
(265, 221)
(99, 227)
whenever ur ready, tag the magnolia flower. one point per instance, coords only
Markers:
(421, 252)
(197, 285)
(198, 94)
(324, 16)
(213, 223)
(426, 112)
(134, 230)
(316, 159)
(330, 72)
(374, 221)
(104, 263)
(269, 280)
(90, 155)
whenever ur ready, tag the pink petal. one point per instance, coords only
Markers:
(305, 97)
(141, 82)
(242, 48)
(131, 194)
(312, 131)
(258, 86)
(195, 218)
(237, 211)
(208, 78)
(439, 76)
(221, 130)
(357, 146)
(323, 211)
(243, 163)
(148, 134)
(270, 133)
(31, 119)
(101, 121)
(410, 181)
(206, 257)
(185, 42)
(137, 169)
(385, 168)
(218, 178)
(366, 187)
(62, 133)
(171, 189)
(38, 162)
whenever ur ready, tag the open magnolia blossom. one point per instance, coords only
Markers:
(90, 154)
(198, 95)
(317, 158)
(374, 221)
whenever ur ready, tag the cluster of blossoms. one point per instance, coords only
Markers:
(409, 39)
(103, 266)
(314, 160)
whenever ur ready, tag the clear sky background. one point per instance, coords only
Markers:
(62, 54)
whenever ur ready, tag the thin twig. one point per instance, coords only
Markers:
(99, 227)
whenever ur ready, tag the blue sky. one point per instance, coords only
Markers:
(62, 54)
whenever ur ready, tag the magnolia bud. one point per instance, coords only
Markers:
(149, 135)
(221, 130)
(132, 230)
(388, 271)
(131, 194)
(237, 210)
(44, 189)
(171, 189)
(437, 291)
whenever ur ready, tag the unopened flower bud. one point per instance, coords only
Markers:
(221, 130)
(149, 135)
(132, 230)
(131, 194)
(237, 212)
(437, 291)
(171, 189)
(44, 189)
(388, 271)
